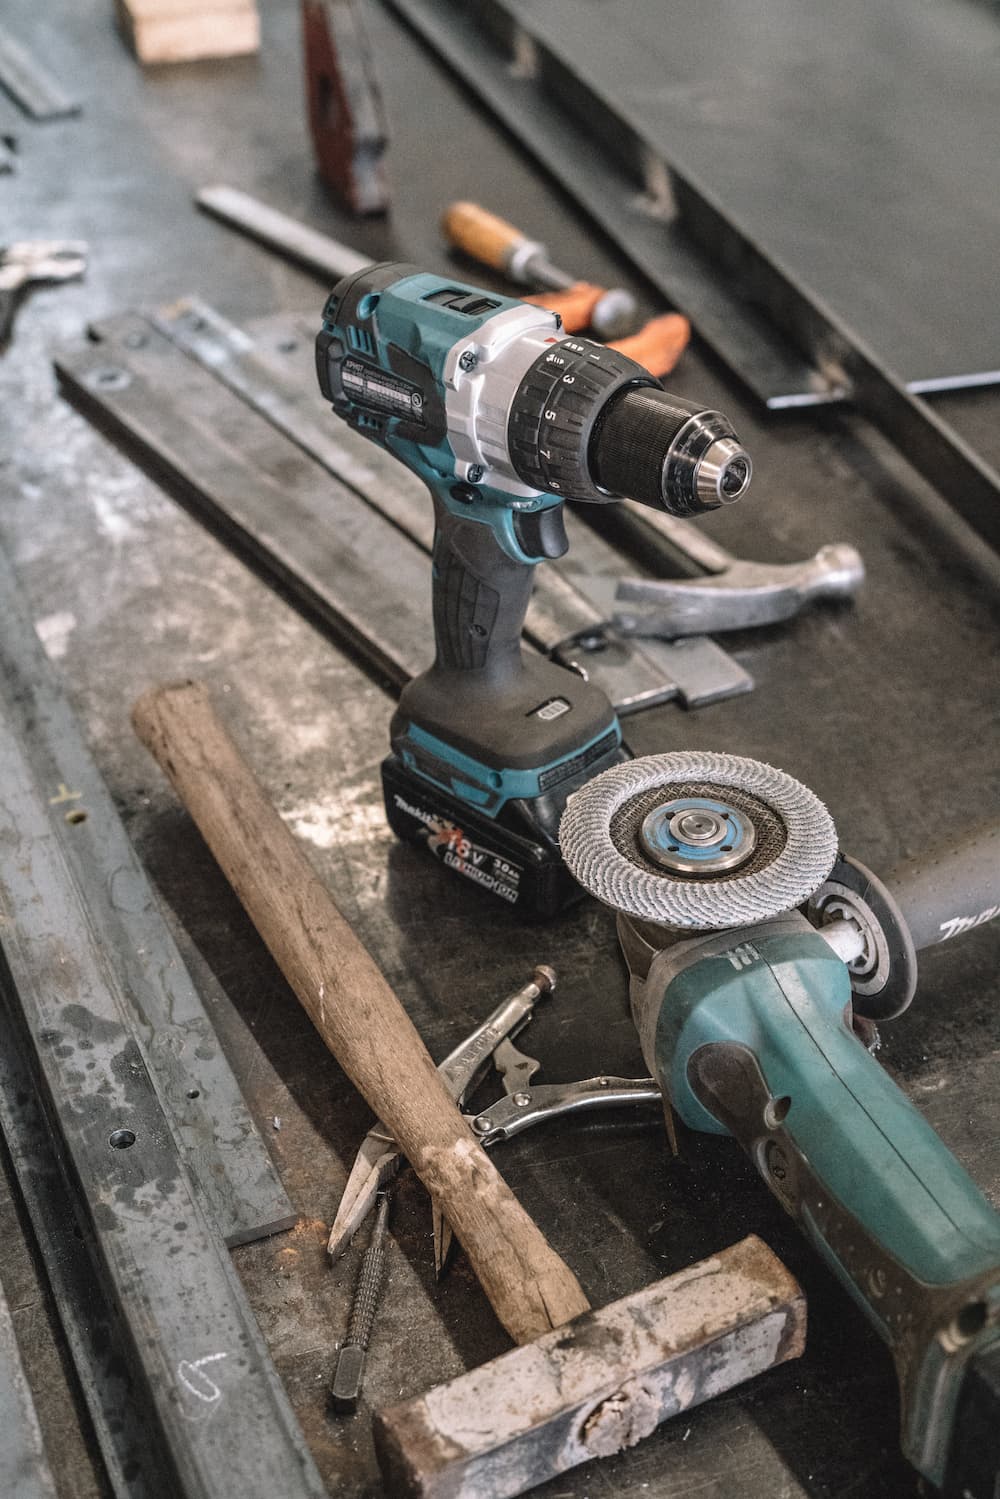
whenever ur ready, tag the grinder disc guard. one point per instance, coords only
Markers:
(698, 841)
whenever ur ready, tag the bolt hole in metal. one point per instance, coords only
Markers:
(194, 1093)
(121, 1139)
(107, 377)
(775, 1110)
(75, 816)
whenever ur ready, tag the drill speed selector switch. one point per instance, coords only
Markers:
(503, 418)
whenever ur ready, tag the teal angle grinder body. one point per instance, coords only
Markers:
(503, 419)
(745, 1011)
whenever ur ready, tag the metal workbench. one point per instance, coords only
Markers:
(887, 709)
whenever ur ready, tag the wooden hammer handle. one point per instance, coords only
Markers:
(355, 1011)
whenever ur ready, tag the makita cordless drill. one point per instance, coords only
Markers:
(504, 419)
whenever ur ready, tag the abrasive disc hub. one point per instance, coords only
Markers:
(698, 841)
(697, 836)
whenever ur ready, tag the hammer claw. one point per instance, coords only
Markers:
(741, 596)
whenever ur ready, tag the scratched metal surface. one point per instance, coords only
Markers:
(888, 710)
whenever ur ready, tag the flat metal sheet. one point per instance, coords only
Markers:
(194, 1080)
(854, 143)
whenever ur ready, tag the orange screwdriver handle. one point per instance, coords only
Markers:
(659, 345)
(575, 305)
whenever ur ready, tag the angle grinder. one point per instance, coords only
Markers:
(745, 934)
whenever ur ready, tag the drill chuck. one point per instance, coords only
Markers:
(587, 423)
(668, 454)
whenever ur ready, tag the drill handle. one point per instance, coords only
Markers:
(955, 888)
(480, 598)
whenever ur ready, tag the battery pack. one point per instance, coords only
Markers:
(522, 870)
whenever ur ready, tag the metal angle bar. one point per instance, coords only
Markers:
(24, 1470)
(134, 1464)
(194, 1350)
(194, 1081)
(30, 85)
(552, 111)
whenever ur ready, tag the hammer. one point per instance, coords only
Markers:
(735, 594)
(571, 1392)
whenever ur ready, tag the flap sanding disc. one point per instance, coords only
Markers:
(698, 841)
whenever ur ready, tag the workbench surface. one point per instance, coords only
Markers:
(887, 709)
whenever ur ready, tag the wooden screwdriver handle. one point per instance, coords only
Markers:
(354, 1010)
(481, 234)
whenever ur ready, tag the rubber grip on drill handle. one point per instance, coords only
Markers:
(354, 1010)
(952, 889)
(480, 598)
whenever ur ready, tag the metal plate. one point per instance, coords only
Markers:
(648, 232)
(195, 1353)
(194, 1080)
(786, 116)
(549, 102)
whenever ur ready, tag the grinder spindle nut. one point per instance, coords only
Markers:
(790, 841)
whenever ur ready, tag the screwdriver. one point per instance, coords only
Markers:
(494, 242)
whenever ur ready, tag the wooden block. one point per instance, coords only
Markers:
(162, 31)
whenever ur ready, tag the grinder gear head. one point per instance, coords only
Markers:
(698, 841)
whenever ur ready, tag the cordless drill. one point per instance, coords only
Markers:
(504, 419)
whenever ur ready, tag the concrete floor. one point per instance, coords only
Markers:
(888, 709)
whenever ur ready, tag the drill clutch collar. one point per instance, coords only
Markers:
(698, 841)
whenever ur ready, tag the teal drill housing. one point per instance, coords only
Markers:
(503, 419)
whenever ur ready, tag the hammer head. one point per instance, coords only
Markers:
(600, 1383)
